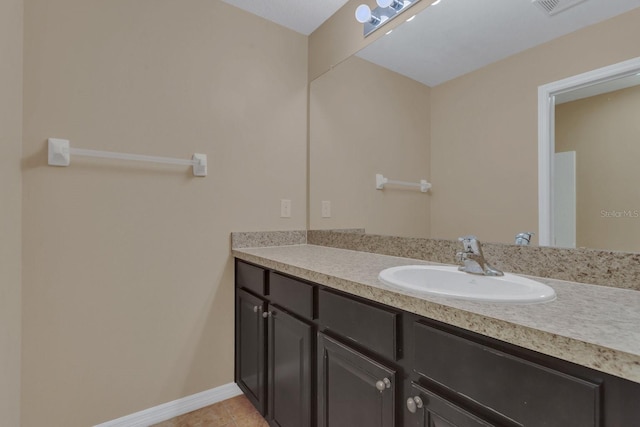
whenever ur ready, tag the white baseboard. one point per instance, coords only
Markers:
(169, 410)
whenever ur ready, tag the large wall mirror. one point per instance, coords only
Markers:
(589, 145)
(452, 97)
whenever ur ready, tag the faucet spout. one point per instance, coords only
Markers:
(473, 259)
(524, 239)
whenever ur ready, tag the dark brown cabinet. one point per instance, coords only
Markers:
(250, 348)
(353, 389)
(289, 370)
(512, 387)
(427, 409)
(311, 356)
(275, 345)
(366, 324)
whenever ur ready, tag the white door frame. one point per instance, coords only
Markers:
(546, 134)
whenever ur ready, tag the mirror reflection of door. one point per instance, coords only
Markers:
(564, 199)
(603, 127)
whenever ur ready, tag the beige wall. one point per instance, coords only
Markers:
(365, 120)
(127, 289)
(603, 130)
(10, 209)
(484, 131)
(128, 279)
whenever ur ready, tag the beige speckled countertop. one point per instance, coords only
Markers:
(594, 326)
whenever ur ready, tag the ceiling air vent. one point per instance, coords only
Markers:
(553, 7)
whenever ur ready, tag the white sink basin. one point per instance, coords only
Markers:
(449, 282)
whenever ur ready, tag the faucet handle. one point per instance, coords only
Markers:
(470, 244)
(523, 239)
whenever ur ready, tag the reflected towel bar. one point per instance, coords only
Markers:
(60, 155)
(381, 181)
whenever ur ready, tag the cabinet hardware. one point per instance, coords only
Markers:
(414, 403)
(256, 308)
(383, 384)
(266, 314)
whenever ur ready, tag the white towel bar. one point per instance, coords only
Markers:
(381, 181)
(60, 155)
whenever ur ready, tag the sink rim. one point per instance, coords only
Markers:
(535, 292)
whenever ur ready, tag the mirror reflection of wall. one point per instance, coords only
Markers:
(481, 131)
(367, 120)
(604, 132)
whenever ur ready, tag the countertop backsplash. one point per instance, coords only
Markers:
(605, 268)
(263, 239)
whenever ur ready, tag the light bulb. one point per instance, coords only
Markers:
(364, 15)
(395, 4)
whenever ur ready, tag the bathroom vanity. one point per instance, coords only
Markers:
(320, 342)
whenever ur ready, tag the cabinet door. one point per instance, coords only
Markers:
(353, 389)
(427, 409)
(250, 348)
(290, 380)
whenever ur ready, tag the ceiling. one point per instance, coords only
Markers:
(459, 36)
(451, 38)
(302, 16)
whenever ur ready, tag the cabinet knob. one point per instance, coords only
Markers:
(256, 308)
(414, 403)
(383, 384)
(266, 314)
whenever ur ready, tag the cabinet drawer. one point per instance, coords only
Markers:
(522, 391)
(291, 294)
(369, 325)
(250, 277)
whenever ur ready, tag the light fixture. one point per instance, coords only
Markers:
(411, 19)
(364, 15)
(386, 11)
(435, 2)
(395, 4)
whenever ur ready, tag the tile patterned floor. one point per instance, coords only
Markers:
(234, 412)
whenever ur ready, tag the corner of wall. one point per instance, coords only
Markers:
(11, 41)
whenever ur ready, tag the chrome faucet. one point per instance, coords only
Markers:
(523, 239)
(473, 258)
